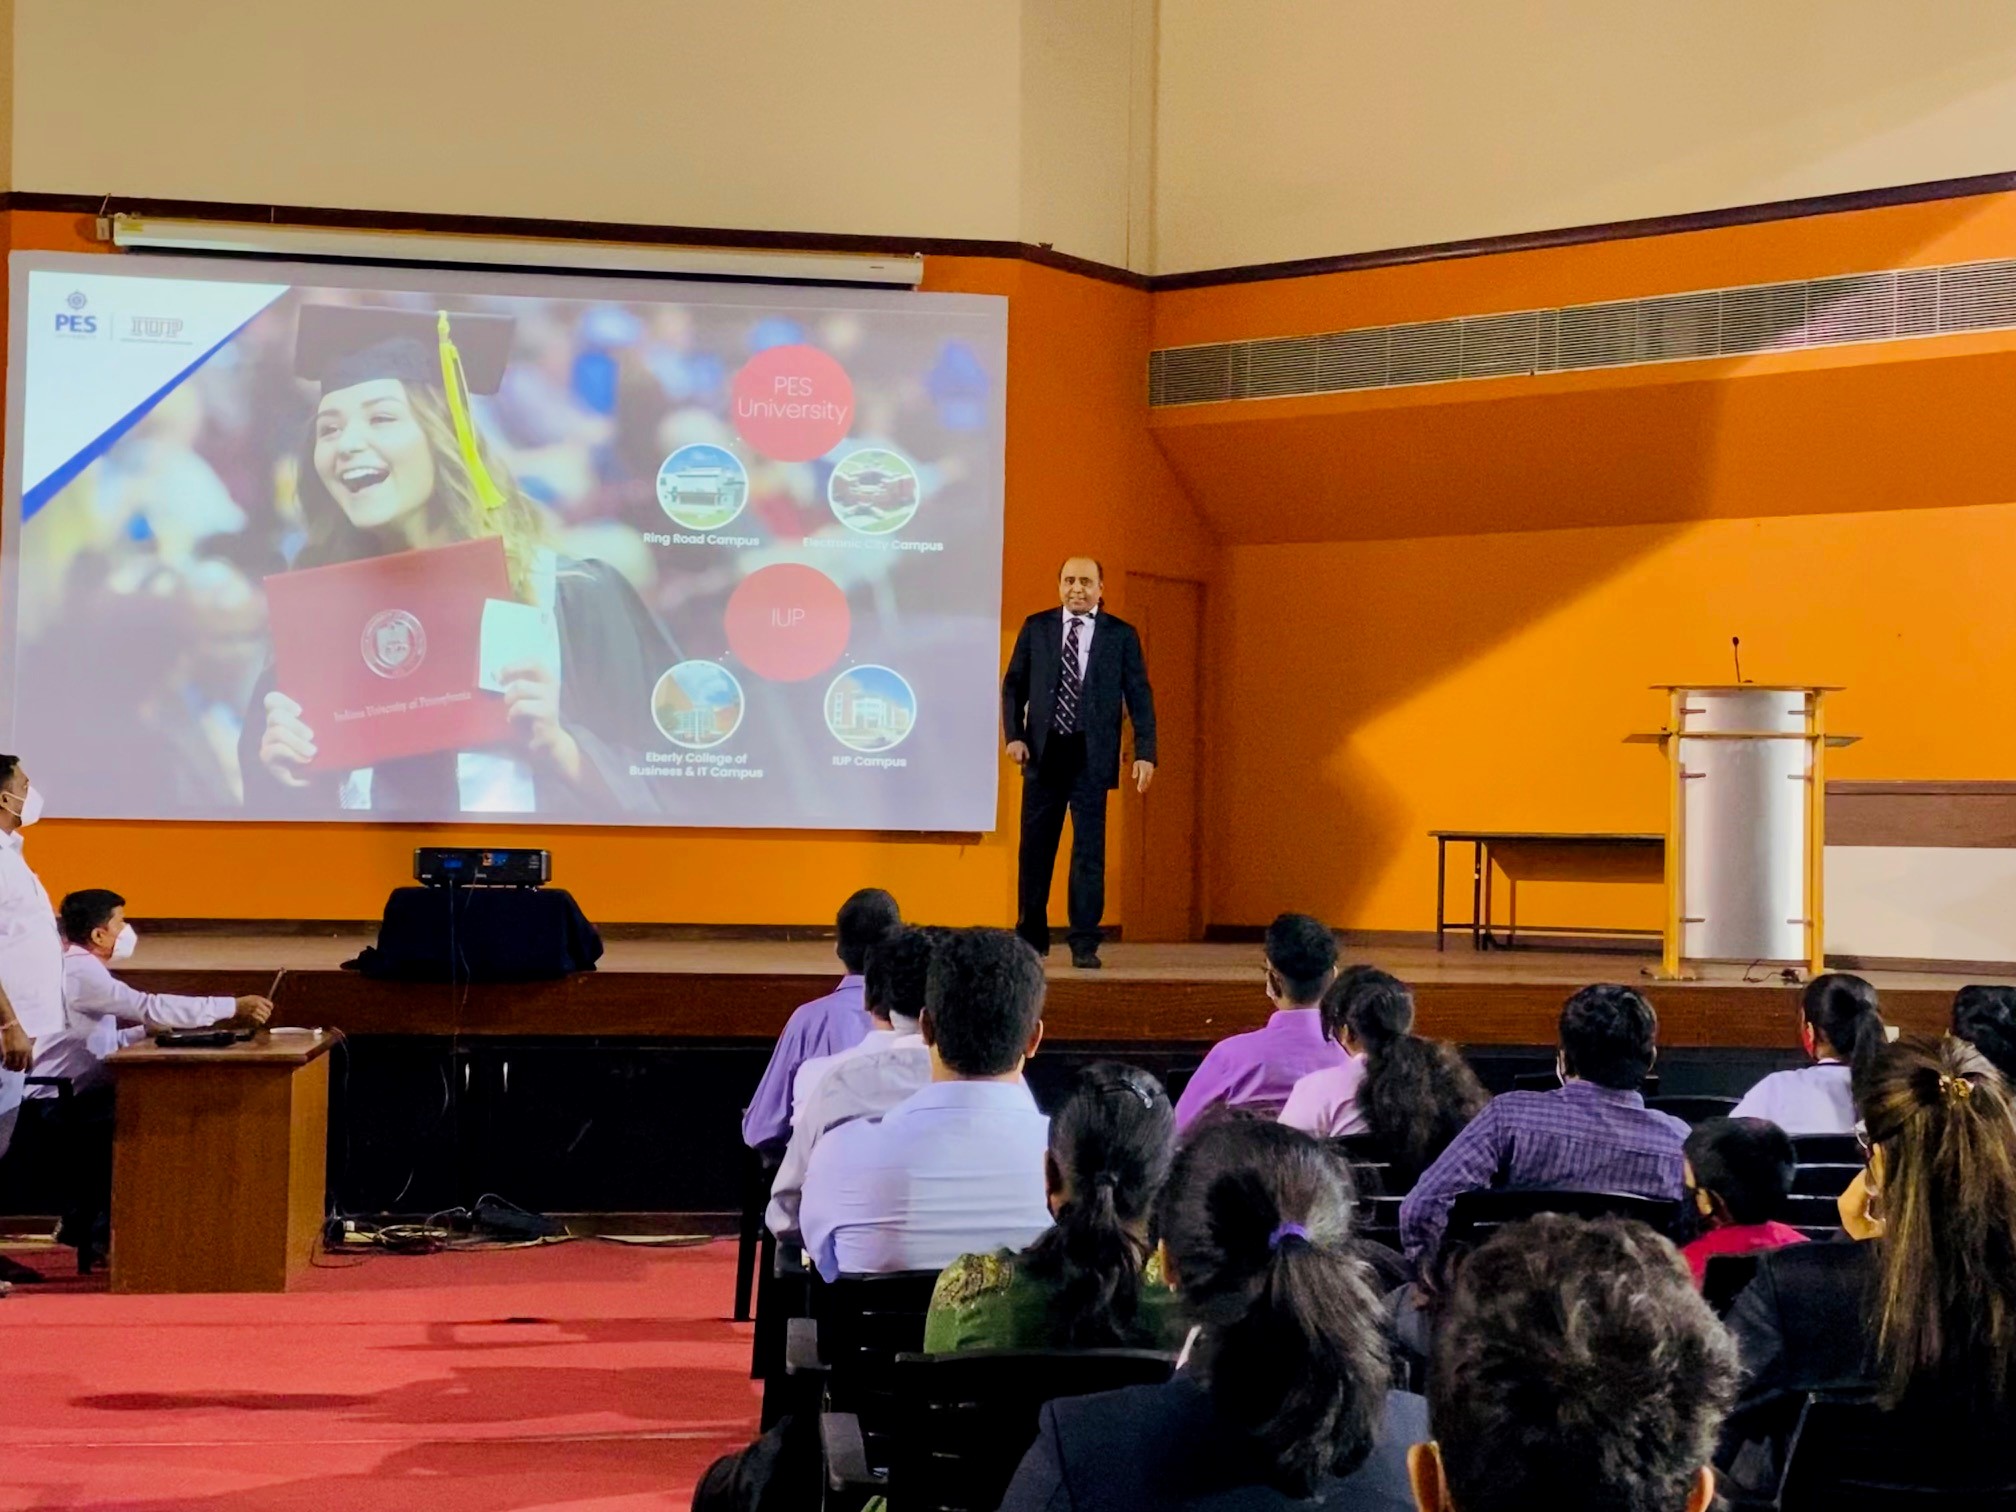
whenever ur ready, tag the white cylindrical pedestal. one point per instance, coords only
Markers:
(1745, 813)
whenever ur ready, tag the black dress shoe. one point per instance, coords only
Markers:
(1086, 959)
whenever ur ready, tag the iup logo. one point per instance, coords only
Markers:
(394, 644)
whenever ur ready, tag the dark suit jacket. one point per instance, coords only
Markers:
(1115, 675)
(1164, 1449)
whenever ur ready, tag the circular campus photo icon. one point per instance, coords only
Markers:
(870, 708)
(702, 487)
(394, 644)
(873, 491)
(697, 704)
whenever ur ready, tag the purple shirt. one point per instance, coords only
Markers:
(825, 1026)
(1257, 1070)
(1581, 1138)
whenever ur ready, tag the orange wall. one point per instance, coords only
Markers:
(1489, 682)
(1082, 475)
(1374, 689)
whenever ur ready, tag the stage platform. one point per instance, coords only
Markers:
(729, 990)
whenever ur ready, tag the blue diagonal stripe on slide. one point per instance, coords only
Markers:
(57, 481)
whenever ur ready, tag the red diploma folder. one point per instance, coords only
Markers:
(383, 654)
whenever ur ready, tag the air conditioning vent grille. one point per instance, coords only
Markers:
(1836, 311)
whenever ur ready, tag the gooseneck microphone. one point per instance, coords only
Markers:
(1736, 650)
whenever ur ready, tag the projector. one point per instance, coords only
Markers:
(451, 866)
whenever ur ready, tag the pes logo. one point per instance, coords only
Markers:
(74, 322)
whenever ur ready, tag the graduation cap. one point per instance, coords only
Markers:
(339, 346)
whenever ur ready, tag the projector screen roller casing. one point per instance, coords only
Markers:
(752, 537)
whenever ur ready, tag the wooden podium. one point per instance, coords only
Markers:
(1745, 824)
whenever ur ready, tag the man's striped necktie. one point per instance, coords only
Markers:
(1068, 690)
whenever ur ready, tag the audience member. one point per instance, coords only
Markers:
(957, 1166)
(1594, 1133)
(1838, 1022)
(1576, 1369)
(1284, 1398)
(1923, 1311)
(1411, 1095)
(1739, 1174)
(824, 1025)
(100, 1014)
(1253, 1073)
(866, 1081)
(1985, 1017)
(1093, 1279)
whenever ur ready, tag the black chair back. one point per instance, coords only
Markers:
(1693, 1109)
(1372, 1171)
(1824, 1180)
(1725, 1279)
(1547, 1081)
(1379, 1220)
(1477, 1215)
(962, 1422)
(1814, 1214)
(1848, 1455)
(865, 1322)
(1827, 1149)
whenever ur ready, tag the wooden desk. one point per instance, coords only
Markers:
(219, 1163)
(1539, 856)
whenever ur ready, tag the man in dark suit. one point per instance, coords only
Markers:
(1072, 671)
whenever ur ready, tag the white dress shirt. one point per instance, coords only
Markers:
(31, 965)
(101, 1013)
(955, 1168)
(805, 1080)
(864, 1082)
(1813, 1099)
(1089, 619)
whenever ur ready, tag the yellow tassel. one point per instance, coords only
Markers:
(457, 387)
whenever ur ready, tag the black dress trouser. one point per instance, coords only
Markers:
(1058, 785)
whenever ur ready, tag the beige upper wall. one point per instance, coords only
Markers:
(1303, 128)
(903, 118)
(897, 117)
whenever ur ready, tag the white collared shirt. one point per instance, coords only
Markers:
(955, 1168)
(31, 965)
(1090, 620)
(864, 1082)
(1812, 1099)
(101, 1013)
(1325, 1103)
(806, 1079)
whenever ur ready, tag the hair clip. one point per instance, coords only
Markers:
(1955, 1089)
(1286, 1233)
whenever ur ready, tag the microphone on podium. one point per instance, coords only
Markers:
(1736, 650)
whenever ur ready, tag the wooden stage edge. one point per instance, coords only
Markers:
(729, 990)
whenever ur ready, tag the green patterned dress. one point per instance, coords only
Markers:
(993, 1302)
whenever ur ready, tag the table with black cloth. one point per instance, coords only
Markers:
(481, 934)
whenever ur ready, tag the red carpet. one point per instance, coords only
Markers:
(579, 1376)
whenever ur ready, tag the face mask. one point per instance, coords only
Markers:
(31, 806)
(124, 946)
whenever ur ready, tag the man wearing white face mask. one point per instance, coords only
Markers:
(31, 954)
(101, 1013)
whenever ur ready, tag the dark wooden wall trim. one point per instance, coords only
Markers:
(1963, 815)
(1602, 231)
(639, 232)
(1038, 253)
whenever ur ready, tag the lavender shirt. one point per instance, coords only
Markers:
(1581, 1138)
(1325, 1103)
(1257, 1070)
(825, 1026)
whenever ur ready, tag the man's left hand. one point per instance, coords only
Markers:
(1144, 773)
(17, 1050)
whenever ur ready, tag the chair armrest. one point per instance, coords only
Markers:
(788, 1262)
(801, 1347)
(847, 1455)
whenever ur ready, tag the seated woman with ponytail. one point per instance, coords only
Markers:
(1839, 1023)
(1412, 1095)
(1092, 1280)
(1283, 1399)
(1922, 1312)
